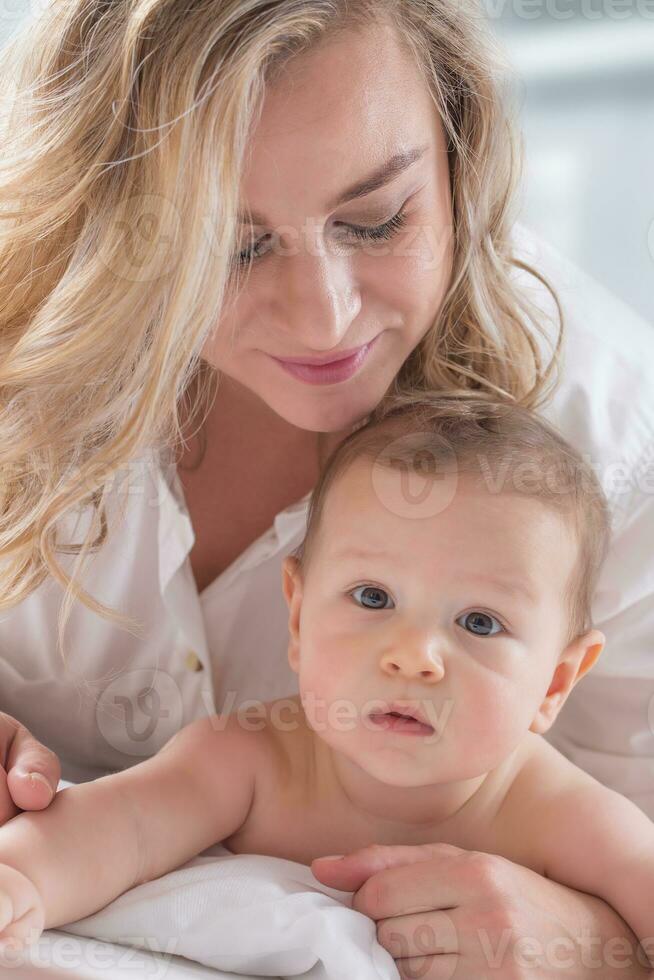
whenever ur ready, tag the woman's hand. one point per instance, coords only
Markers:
(444, 912)
(29, 772)
(22, 914)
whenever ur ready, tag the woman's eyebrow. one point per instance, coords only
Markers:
(388, 171)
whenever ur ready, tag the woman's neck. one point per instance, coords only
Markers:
(239, 422)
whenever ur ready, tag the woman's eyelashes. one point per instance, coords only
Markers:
(477, 623)
(377, 233)
(250, 254)
(380, 232)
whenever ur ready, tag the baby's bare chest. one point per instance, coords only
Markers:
(300, 823)
(286, 823)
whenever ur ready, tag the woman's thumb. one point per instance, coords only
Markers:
(348, 872)
(33, 771)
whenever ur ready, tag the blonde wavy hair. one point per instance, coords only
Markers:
(126, 123)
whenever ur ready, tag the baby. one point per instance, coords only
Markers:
(438, 620)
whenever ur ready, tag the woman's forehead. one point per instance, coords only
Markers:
(337, 116)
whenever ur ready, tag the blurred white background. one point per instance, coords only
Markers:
(584, 75)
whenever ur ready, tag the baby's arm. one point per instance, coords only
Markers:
(100, 838)
(595, 840)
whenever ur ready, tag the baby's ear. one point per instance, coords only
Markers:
(292, 589)
(576, 660)
(291, 578)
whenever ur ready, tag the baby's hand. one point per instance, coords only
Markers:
(22, 915)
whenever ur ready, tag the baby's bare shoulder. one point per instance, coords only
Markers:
(583, 834)
(543, 776)
(274, 735)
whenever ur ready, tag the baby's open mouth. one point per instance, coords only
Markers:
(403, 722)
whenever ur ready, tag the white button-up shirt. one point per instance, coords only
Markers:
(119, 697)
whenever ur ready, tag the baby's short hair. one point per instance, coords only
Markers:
(483, 437)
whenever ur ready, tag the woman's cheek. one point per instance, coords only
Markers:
(414, 274)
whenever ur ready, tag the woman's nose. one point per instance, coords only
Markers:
(416, 655)
(317, 299)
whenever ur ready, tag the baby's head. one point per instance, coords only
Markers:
(452, 550)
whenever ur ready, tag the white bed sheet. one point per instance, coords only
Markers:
(58, 955)
(218, 912)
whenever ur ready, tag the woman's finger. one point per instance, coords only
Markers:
(30, 790)
(33, 771)
(429, 967)
(421, 934)
(8, 808)
(349, 872)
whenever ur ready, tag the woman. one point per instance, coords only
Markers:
(214, 196)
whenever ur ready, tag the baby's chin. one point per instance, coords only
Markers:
(395, 765)
(402, 775)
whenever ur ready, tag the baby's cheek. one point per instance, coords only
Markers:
(316, 678)
(326, 686)
(313, 679)
(325, 668)
(492, 717)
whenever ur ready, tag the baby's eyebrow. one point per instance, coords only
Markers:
(350, 551)
(508, 586)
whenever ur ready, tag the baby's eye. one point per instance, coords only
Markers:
(375, 598)
(480, 624)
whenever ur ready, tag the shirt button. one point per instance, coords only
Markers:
(192, 661)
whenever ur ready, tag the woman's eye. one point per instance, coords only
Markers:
(377, 233)
(480, 624)
(252, 252)
(372, 597)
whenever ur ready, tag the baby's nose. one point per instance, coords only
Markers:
(415, 657)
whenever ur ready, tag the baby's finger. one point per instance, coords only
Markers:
(6, 912)
(22, 915)
(23, 932)
(10, 946)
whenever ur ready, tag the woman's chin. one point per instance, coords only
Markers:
(318, 415)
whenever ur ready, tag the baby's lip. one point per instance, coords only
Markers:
(409, 709)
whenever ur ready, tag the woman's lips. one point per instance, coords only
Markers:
(332, 373)
(403, 724)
